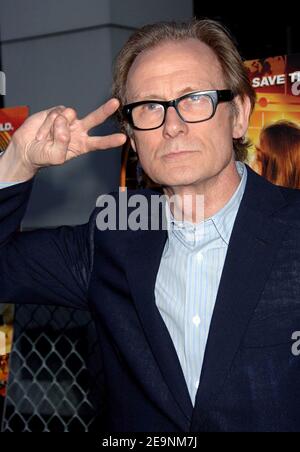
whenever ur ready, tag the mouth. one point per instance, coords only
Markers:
(178, 154)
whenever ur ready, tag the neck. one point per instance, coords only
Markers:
(196, 202)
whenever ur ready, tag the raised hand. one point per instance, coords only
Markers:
(55, 136)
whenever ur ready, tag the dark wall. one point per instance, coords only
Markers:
(260, 32)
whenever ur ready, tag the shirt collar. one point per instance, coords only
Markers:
(221, 222)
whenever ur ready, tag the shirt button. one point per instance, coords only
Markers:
(200, 257)
(197, 384)
(196, 320)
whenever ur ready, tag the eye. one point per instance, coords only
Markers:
(152, 107)
(195, 97)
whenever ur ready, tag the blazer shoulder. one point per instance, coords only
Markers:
(290, 194)
(290, 212)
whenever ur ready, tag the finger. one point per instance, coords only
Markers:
(61, 139)
(45, 128)
(107, 142)
(70, 114)
(100, 115)
(46, 112)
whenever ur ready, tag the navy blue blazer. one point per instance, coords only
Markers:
(250, 379)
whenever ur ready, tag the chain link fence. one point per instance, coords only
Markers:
(56, 381)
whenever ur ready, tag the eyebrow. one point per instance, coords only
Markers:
(184, 91)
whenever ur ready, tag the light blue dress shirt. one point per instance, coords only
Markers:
(188, 280)
(8, 184)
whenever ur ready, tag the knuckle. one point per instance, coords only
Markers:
(63, 137)
(60, 120)
(70, 111)
(53, 115)
(58, 110)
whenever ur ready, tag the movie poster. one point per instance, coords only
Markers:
(275, 125)
(10, 120)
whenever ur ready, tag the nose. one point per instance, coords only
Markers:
(173, 125)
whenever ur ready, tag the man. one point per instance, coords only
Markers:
(195, 328)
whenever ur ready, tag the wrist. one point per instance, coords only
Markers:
(13, 167)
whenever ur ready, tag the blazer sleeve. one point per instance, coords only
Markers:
(45, 266)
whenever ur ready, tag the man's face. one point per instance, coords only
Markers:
(167, 72)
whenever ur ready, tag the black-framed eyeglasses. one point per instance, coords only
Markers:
(194, 107)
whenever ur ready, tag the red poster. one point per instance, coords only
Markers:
(10, 120)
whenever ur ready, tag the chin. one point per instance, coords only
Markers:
(178, 180)
(185, 175)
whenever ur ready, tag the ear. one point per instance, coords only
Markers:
(132, 142)
(241, 117)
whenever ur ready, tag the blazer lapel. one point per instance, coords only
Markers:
(145, 250)
(253, 246)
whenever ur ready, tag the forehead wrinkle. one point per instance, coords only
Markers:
(172, 87)
(168, 76)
